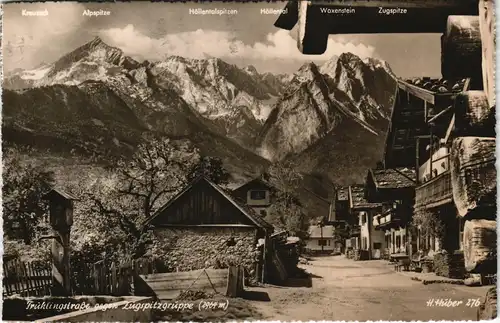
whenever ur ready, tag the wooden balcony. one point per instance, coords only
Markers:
(435, 192)
(391, 218)
(355, 231)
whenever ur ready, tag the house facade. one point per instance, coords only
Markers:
(203, 226)
(395, 189)
(257, 194)
(339, 207)
(321, 239)
(371, 242)
(420, 136)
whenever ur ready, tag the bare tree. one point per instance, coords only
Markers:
(139, 186)
(158, 169)
(287, 212)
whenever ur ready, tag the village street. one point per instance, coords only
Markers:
(344, 289)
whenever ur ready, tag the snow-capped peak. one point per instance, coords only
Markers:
(378, 63)
(36, 74)
(250, 69)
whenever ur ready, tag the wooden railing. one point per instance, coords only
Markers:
(390, 217)
(440, 164)
(435, 192)
(356, 230)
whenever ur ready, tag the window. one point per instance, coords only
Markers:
(322, 242)
(377, 245)
(258, 195)
(328, 241)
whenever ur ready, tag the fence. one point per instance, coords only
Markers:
(103, 278)
(26, 278)
(100, 278)
(119, 279)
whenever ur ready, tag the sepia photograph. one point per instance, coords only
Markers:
(249, 161)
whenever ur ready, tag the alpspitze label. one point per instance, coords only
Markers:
(96, 13)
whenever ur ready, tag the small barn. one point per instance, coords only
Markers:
(203, 226)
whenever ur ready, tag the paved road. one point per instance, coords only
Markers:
(343, 289)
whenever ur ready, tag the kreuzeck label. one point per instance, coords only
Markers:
(34, 13)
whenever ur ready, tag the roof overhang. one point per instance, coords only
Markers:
(417, 16)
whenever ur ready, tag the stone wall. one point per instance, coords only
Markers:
(191, 248)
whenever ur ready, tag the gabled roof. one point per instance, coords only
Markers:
(357, 198)
(257, 180)
(59, 191)
(247, 211)
(402, 177)
(315, 231)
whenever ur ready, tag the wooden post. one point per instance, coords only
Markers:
(488, 43)
(61, 220)
(113, 279)
(425, 111)
(417, 155)
(431, 151)
(264, 259)
(232, 282)
(369, 238)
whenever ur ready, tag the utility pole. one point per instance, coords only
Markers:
(321, 233)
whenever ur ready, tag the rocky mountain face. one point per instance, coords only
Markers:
(332, 117)
(236, 101)
(96, 100)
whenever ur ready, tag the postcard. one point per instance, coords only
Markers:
(249, 161)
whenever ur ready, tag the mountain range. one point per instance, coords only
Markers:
(329, 119)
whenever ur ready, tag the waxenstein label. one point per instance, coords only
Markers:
(337, 11)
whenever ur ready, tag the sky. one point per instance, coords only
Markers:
(152, 31)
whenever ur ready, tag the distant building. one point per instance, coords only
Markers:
(258, 194)
(371, 241)
(339, 208)
(395, 187)
(320, 239)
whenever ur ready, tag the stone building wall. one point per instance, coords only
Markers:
(192, 248)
